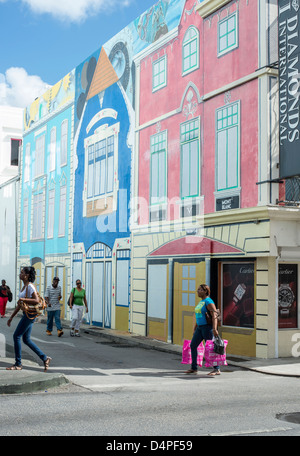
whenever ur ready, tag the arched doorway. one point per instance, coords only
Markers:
(98, 281)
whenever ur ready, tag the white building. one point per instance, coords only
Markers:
(11, 126)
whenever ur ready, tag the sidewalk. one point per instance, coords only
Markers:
(32, 378)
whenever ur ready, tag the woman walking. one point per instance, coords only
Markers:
(4, 289)
(28, 295)
(202, 330)
(77, 301)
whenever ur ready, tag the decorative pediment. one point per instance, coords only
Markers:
(195, 245)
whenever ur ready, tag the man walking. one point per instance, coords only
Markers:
(52, 298)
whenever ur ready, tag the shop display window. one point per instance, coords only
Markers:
(238, 294)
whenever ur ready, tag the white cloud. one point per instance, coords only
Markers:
(19, 89)
(73, 10)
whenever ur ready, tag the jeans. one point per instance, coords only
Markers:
(56, 315)
(201, 333)
(24, 329)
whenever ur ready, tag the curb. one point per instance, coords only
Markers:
(32, 383)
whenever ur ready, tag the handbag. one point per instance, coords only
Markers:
(187, 356)
(33, 310)
(219, 346)
(212, 358)
(209, 317)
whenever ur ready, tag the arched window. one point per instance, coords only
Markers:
(190, 50)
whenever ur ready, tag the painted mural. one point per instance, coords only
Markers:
(156, 149)
(46, 186)
(104, 146)
(53, 99)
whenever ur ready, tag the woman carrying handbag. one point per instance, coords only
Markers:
(203, 330)
(28, 295)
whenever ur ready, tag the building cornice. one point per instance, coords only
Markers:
(208, 7)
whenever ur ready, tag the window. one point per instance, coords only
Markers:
(228, 34)
(189, 144)
(227, 160)
(51, 212)
(158, 180)
(287, 296)
(100, 167)
(25, 220)
(37, 216)
(14, 157)
(62, 211)
(64, 143)
(52, 149)
(238, 294)
(159, 73)
(190, 51)
(101, 171)
(27, 163)
(39, 156)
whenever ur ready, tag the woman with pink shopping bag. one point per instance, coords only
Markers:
(203, 330)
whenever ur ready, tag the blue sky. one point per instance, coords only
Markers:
(42, 40)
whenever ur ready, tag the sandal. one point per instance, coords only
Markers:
(46, 363)
(191, 371)
(14, 368)
(214, 372)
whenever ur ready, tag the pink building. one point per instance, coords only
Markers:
(206, 177)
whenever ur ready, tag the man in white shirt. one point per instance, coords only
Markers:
(52, 298)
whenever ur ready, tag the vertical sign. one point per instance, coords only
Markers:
(289, 87)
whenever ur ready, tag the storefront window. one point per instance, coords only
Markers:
(287, 296)
(238, 294)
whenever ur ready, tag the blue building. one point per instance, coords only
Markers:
(46, 185)
(103, 147)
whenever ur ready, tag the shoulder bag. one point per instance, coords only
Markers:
(33, 310)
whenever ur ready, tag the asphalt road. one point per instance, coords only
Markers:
(120, 390)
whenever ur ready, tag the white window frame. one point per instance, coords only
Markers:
(155, 149)
(225, 22)
(39, 169)
(62, 211)
(51, 214)
(64, 142)
(156, 65)
(227, 120)
(189, 138)
(52, 156)
(37, 216)
(186, 44)
(102, 133)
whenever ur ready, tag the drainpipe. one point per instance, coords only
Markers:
(170, 302)
(276, 309)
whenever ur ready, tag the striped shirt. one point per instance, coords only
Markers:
(53, 295)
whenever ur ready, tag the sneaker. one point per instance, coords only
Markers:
(77, 334)
(49, 332)
(72, 333)
(60, 332)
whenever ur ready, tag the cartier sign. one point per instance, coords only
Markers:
(289, 87)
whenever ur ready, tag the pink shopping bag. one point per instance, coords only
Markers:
(214, 359)
(187, 356)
